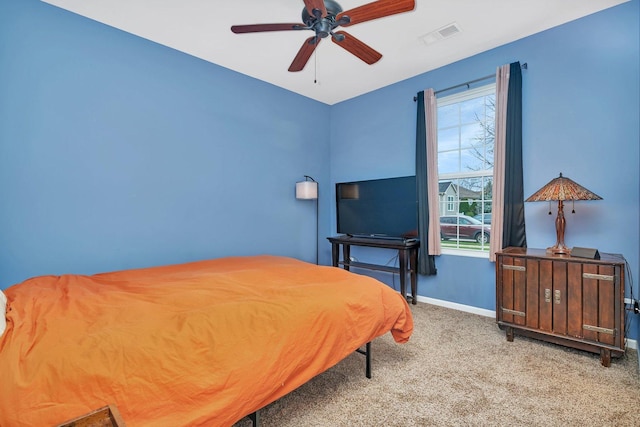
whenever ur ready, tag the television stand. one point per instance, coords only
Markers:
(407, 258)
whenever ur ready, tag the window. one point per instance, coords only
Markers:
(451, 206)
(466, 123)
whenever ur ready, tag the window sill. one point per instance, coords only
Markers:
(466, 253)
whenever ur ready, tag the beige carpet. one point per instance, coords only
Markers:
(458, 369)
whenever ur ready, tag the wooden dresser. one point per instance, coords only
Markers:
(565, 300)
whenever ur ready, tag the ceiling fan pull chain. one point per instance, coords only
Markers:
(315, 71)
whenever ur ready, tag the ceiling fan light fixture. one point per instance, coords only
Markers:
(323, 28)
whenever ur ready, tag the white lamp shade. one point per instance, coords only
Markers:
(307, 190)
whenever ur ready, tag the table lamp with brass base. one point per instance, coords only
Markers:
(561, 189)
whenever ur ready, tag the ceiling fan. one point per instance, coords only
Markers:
(323, 17)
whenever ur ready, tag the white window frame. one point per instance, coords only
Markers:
(454, 99)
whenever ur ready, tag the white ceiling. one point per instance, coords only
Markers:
(202, 28)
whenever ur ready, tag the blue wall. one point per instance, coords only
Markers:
(116, 152)
(580, 117)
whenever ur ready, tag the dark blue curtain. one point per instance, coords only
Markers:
(426, 262)
(514, 227)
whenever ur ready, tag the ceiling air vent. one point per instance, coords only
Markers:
(441, 33)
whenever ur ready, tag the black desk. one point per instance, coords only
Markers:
(407, 251)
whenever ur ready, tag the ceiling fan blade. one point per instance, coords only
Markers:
(316, 4)
(356, 47)
(258, 28)
(376, 9)
(308, 47)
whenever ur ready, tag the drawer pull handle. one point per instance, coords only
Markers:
(556, 296)
(599, 329)
(547, 295)
(514, 267)
(598, 276)
(514, 312)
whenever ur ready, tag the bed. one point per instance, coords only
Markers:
(199, 344)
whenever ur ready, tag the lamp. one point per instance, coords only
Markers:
(308, 190)
(561, 189)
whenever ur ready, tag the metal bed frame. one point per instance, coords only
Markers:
(255, 416)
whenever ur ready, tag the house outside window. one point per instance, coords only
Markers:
(466, 123)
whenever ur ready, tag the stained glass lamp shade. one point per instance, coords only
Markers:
(561, 189)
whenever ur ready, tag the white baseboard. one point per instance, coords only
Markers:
(633, 344)
(456, 306)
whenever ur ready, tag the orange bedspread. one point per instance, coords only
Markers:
(198, 344)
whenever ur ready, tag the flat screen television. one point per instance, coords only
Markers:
(383, 208)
